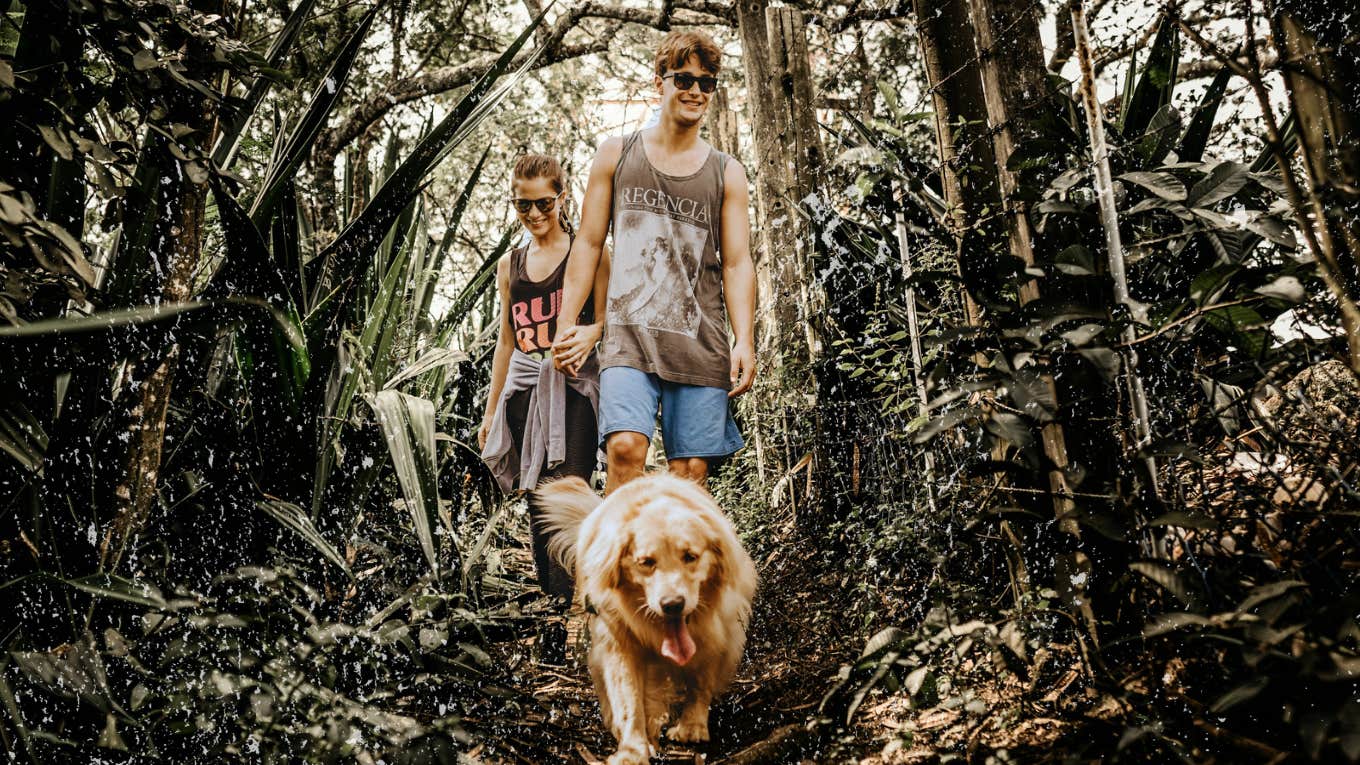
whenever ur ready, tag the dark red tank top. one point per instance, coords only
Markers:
(534, 306)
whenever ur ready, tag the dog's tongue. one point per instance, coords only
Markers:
(677, 646)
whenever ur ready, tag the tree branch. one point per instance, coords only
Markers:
(445, 79)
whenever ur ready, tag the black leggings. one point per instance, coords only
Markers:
(579, 461)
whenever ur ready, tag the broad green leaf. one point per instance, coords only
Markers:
(1175, 620)
(408, 426)
(116, 587)
(1224, 180)
(1240, 695)
(1164, 185)
(1196, 137)
(1155, 144)
(1168, 579)
(295, 518)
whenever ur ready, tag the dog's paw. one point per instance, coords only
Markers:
(688, 732)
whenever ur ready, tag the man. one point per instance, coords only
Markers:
(673, 198)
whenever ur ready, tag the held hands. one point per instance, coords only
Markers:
(574, 345)
(743, 369)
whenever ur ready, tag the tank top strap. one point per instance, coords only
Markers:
(517, 258)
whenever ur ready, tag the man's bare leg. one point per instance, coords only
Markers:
(626, 457)
(693, 468)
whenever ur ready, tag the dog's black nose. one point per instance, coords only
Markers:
(673, 606)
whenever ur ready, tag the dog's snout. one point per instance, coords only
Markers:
(673, 606)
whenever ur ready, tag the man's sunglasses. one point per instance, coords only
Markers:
(523, 205)
(685, 81)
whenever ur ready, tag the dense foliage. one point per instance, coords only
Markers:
(242, 518)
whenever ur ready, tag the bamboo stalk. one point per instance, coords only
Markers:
(914, 330)
(1109, 219)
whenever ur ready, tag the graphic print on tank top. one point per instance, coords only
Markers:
(535, 320)
(656, 259)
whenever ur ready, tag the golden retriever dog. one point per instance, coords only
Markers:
(668, 589)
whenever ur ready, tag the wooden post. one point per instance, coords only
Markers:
(914, 330)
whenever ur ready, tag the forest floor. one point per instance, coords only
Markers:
(800, 638)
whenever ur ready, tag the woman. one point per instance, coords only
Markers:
(539, 423)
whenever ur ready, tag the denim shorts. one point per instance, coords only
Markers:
(696, 420)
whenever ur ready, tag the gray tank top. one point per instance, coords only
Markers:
(665, 311)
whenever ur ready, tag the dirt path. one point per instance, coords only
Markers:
(791, 659)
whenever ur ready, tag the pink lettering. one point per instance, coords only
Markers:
(536, 313)
(524, 338)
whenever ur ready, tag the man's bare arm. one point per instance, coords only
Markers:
(739, 276)
(584, 260)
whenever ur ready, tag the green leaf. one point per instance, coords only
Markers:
(115, 587)
(1224, 180)
(1164, 185)
(408, 425)
(357, 241)
(1196, 137)
(882, 641)
(233, 126)
(1156, 82)
(433, 359)
(300, 141)
(1168, 579)
(1185, 520)
(1241, 694)
(1154, 145)
(1175, 620)
(295, 518)
(99, 338)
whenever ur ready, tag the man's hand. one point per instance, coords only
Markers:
(743, 369)
(574, 345)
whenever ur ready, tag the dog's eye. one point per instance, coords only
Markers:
(646, 562)
(690, 557)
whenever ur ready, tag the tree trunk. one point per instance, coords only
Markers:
(780, 339)
(151, 381)
(948, 53)
(1010, 92)
(802, 157)
(722, 124)
(1321, 71)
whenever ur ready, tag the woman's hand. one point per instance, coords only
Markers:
(575, 345)
(483, 432)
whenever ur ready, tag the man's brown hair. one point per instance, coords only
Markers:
(678, 46)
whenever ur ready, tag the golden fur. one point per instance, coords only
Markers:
(669, 587)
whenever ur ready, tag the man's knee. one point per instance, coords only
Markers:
(626, 447)
(693, 468)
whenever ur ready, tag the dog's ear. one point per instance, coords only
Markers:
(603, 542)
(732, 565)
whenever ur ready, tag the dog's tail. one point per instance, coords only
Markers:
(562, 505)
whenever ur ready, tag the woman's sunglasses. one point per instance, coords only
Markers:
(544, 205)
(685, 81)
